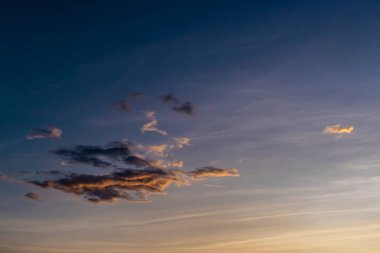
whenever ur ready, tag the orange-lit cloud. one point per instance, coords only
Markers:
(213, 172)
(158, 150)
(151, 126)
(180, 142)
(338, 130)
(162, 164)
(52, 133)
(129, 184)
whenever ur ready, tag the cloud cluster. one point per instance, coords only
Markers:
(134, 172)
(177, 106)
(129, 184)
(338, 130)
(39, 133)
(152, 125)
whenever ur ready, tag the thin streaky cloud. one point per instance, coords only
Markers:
(338, 130)
(45, 133)
(33, 196)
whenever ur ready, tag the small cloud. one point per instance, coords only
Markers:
(180, 142)
(338, 130)
(34, 196)
(39, 133)
(187, 108)
(168, 98)
(213, 172)
(151, 126)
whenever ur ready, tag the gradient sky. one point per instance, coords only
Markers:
(265, 77)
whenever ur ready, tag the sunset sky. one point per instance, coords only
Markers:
(190, 126)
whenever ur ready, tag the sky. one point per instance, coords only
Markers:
(189, 126)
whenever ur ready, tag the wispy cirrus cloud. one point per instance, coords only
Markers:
(129, 184)
(152, 125)
(338, 130)
(33, 196)
(45, 133)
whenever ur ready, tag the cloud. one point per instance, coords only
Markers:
(187, 108)
(129, 184)
(180, 142)
(121, 153)
(103, 157)
(168, 98)
(213, 172)
(33, 195)
(338, 130)
(162, 164)
(151, 126)
(158, 150)
(39, 133)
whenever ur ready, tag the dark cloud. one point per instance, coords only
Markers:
(187, 108)
(103, 157)
(33, 195)
(129, 184)
(41, 133)
(168, 98)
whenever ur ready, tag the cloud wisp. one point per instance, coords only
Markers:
(45, 133)
(338, 130)
(33, 196)
(152, 125)
(177, 106)
(134, 185)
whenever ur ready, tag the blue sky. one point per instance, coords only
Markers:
(265, 78)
